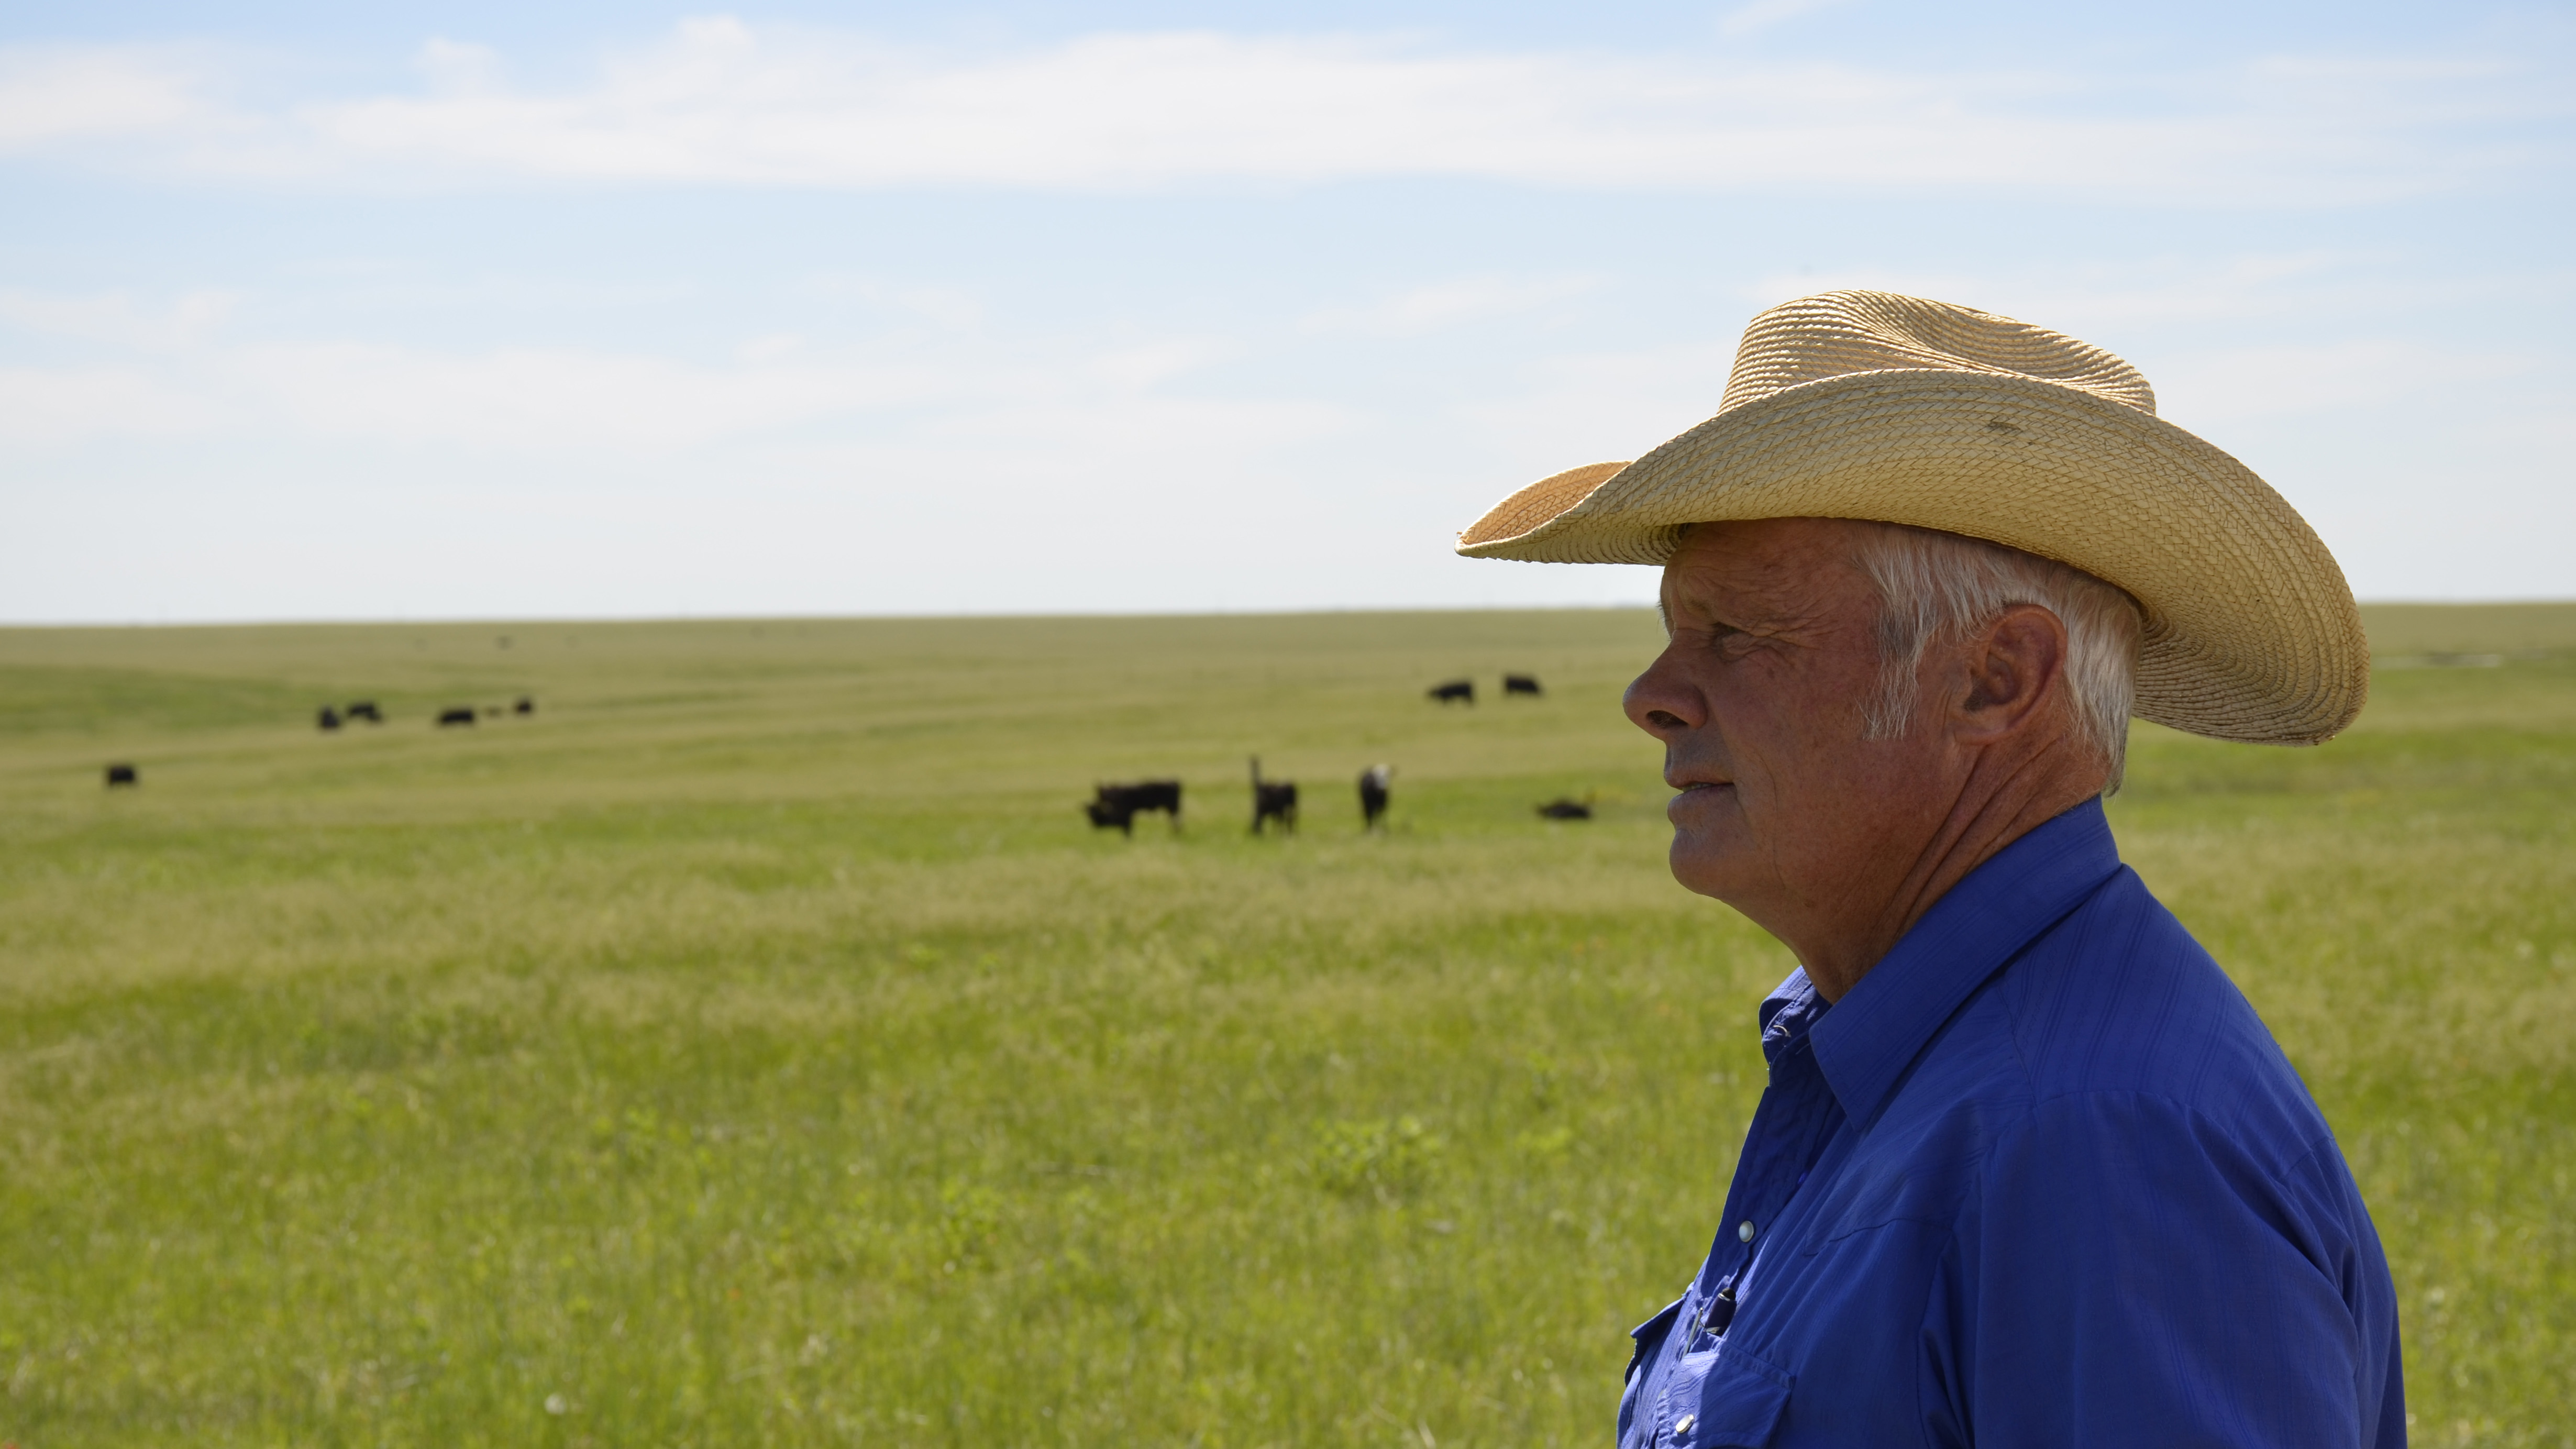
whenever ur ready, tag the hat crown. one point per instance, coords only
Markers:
(1836, 334)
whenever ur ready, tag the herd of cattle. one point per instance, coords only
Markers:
(334, 716)
(331, 717)
(1274, 802)
(1463, 691)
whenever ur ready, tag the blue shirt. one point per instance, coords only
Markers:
(2040, 1180)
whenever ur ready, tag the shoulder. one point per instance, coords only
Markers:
(2109, 1056)
(2117, 1005)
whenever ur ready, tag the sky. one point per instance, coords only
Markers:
(320, 311)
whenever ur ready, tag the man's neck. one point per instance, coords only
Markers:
(1979, 824)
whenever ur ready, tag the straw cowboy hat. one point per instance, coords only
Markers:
(1876, 406)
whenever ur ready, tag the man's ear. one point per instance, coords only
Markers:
(2013, 666)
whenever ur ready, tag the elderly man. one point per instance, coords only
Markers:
(2029, 1171)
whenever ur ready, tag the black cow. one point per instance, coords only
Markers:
(1119, 805)
(462, 715)
(1521, 684)
(1373, 783)
(524, 706)
(1562, 808)
(120, 775)
(365, 709)
(328, 719)
(1454, 691)
(1272, 800)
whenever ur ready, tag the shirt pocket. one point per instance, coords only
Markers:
(1740, 1402)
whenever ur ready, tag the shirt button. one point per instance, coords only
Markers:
(1683, 1424)
(1744, 1231)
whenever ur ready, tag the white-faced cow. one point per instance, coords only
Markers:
(1373, 794)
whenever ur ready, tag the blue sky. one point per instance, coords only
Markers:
(587, 309)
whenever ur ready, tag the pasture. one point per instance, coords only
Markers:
(756, 1046)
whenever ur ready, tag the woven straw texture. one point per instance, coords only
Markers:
(1874, 406)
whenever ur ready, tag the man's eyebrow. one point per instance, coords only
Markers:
(1664, 616)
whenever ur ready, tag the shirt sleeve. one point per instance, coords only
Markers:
(2133, 1275)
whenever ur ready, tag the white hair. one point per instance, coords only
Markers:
(1944, 586)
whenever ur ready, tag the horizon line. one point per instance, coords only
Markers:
(540, 620)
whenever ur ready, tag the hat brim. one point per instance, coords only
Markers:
(2251, 632)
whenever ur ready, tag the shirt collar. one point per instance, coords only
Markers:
(1879, 1026)
(1788, 1013)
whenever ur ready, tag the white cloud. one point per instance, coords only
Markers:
(117, 319)
(2235, 383)
(619, 404)
(51, 94)
(456, 69)
(721, 102)
(1600, 406)
(1763, 14)
(552, 398)
(1451, 303)
(60, 405)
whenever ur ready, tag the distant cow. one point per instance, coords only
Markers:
(120, 775)
(1455, 691)
(365, 709)
(328, 719)
(1521, 684)
(1373, 783)
(1119, 805)
(1272, 800)
(1562, 808)
(524, 706)
(461, 715)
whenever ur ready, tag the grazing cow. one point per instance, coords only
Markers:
(1455, 691)
(1119, 805)
(1521, 684)
(462, 715)
(365, 709)
(1373, 783)
(1272, 800)
(120, 775)
(328, 719)
(1562, 808)
(524, 706)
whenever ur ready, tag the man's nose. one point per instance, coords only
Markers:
(1658, 702)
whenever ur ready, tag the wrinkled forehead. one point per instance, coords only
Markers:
(1748, 572)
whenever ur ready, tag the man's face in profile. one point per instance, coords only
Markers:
(1759, 699)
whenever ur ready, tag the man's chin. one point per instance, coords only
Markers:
(1709, 862)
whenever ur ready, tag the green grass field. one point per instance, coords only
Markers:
(756, 1047)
